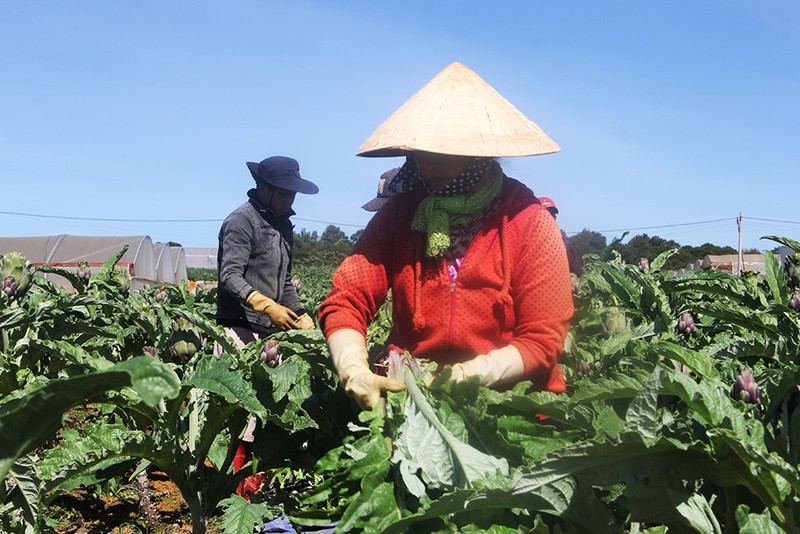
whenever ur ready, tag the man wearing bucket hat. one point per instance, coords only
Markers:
(255, 293)
(255, 296)
(476, 266)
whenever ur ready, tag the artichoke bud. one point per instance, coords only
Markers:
(583, 368)
(792, 269)
(15, 272)
(10, 287)
(150, 351)
(161, 295)
(794, 301)
(751, 276)
(270, 353)
(615, 321)
(745, 388)
(120, 279)
(185, 340)
(296, 283)
(84, 272)
(644, 265)
(685, 324)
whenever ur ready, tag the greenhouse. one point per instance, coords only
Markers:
(144, 262)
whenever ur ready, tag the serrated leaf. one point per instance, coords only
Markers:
(28, 421)
(641, 416)
(242, 517)
(218, 374)
(427, 444)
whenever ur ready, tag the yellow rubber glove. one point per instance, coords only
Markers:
(281, 316)
(350, 359)
(305, 322)
(499, 367)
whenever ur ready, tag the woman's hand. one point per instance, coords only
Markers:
(499, 367)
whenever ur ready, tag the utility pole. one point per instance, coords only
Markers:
(741, 257)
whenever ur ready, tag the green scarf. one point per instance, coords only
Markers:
(436, 215)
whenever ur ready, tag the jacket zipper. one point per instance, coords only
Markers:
(452, 324)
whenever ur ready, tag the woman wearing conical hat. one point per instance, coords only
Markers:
(476, 266)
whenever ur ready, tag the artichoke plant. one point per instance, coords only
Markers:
(644, 265)
(745, 388)
(15, 272)
(685, 325)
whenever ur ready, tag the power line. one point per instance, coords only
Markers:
(99, 219)
(771, 220)
(729, 219)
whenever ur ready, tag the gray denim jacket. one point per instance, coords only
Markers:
(254, 253)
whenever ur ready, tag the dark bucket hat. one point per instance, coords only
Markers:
(283, 172)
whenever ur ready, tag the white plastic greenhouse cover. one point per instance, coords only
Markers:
(201, 257)
(179, 261)
(165, 269)
(67, 251)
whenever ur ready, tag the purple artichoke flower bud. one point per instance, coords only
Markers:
(685, 324)
(745, 388)
(151, 351)
(644, 265)
(10, 286)
(583, 368)
(270, 354)
(15, 273)
(794, 301)
(84, 272)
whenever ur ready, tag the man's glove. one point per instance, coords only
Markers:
(499, 367)
(350, 359)
(281, 316)
(305, 322)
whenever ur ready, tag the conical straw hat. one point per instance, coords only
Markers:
(458, 113)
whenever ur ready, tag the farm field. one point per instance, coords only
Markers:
(680, 415)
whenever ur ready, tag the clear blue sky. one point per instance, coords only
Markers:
(667, 112)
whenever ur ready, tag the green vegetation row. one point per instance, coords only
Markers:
(680, 414)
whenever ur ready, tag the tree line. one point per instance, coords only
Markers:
(330, 248)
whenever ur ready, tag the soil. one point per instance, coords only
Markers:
(83, 511)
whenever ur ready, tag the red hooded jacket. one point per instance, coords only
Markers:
(513, 286)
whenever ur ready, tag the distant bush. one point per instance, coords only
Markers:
(199, 273)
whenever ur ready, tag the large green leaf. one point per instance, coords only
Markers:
(28, 421)
(641, 414)
(791, 243)
(219, 374)
(776, 279)
(241, 516)
(426, 445)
